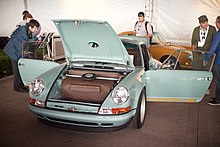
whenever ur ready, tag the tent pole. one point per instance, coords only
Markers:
(25, 5)
(148, 9)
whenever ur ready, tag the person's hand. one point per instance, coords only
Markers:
(42, 36)
(39, 38)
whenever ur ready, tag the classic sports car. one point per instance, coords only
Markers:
(160, 49)
(106, 80)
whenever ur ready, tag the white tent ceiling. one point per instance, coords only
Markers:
(174, 19)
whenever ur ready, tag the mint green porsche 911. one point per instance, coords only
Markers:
(105, 81)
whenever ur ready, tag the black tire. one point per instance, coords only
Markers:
(139, 118)
(171, 61)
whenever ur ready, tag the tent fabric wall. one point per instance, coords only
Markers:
(10, 14)
(120, 14)
(175, 20)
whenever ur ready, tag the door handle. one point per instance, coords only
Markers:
(19, 64)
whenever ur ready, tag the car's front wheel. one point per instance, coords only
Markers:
(139, 118)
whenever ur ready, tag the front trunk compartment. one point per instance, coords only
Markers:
(84, 86)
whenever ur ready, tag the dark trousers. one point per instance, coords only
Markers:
(197, 63)
(216, 72)
(18, 84)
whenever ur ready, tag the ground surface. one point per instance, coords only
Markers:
(166, 125)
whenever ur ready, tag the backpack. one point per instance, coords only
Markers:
(146, 22)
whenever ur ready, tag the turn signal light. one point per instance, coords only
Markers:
(120, 110)
(114, 110)
(36, 102)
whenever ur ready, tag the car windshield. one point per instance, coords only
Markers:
(134, 53)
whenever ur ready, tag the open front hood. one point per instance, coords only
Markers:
(87, 40)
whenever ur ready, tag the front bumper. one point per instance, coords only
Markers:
(96, 121)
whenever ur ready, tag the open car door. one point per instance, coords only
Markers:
(179, 85)
(35, 61)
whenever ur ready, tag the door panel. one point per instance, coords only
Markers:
(30, 68)
(176, 85)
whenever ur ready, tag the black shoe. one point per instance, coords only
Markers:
(213, 98)
(214, 103)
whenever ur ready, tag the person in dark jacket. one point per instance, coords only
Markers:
(14, 49)
(201, 40)
(26, 18)
(215, 48)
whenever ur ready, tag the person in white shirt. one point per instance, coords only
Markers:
(143, 28)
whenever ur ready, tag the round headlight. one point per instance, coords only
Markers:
(36, 87)
(120, 95)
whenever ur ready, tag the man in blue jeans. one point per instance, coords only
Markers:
(215, 48)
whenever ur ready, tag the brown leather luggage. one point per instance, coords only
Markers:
(89, 91)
